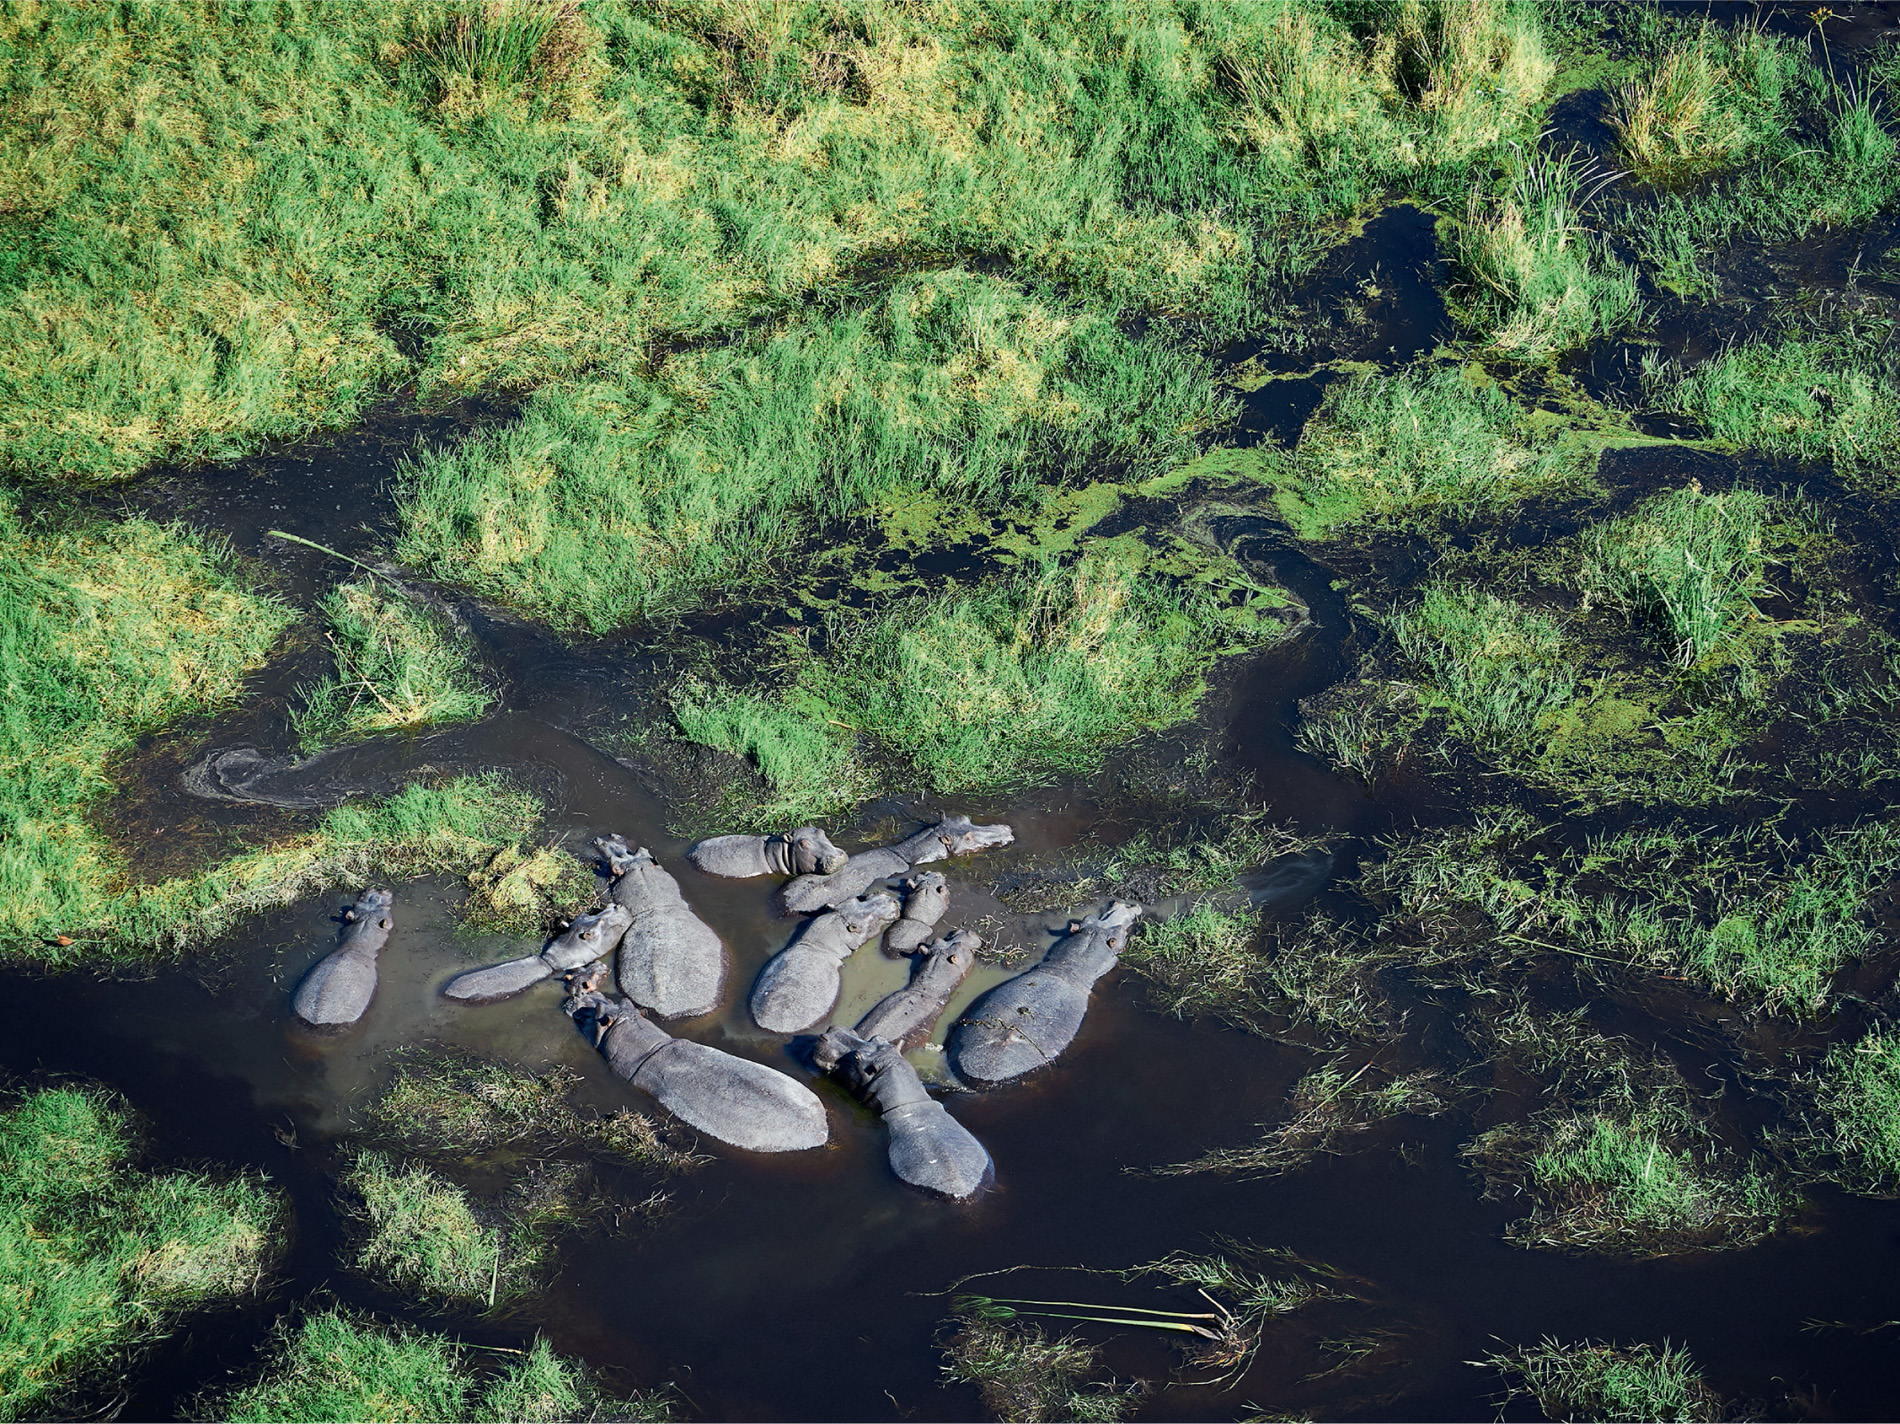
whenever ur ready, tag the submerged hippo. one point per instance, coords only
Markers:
(799, 984)
(670, 960)
(805, 851)
(336, 992)
(1025, 1022)
(588, 938)
(928, 1147)
(733, 1099)
(906, 1017)
(953, 835)
(926, 899)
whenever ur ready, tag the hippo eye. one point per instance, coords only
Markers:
(588, 933)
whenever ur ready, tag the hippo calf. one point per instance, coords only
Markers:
(799, 984)
(805, 851)
(928, 1148)
(1025, 1022)
(670, 960)
(906, 1017)
(588, 938)
(733, 1099)
(927, 898)
(337, 991)
(953, 835)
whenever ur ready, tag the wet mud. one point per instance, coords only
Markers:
(812, 1285)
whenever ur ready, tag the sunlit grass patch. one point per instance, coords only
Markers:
(1537, 282)
(1637, 1383)
(1861, 1092)
(421, 1233)
(336, 1364)
(1822, 398)
(607, 503)
(1384, 448)
(979, 688)
(1499, 666)
(98, 1257)
(1476, 70)
(1628, 1171)
(528, 892)
(400, 666)
(1706, 101)
(1688, 562)
(1202, 961)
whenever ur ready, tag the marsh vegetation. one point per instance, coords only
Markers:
(885, 402)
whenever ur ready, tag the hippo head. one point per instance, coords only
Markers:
(868, 914)
(585, 980)
(927, 887)
(592, 1010)
(813, 853)
(591, 936)
(1113, 922)
(371, 904)
(960, 947)
(956, 835)
(613, 850)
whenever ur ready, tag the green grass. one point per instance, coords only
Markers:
(1202, 961)
(1710, 99)
(1688, 563)
(221, 222)
(420, 1233)
(400, 666)
(97, 1257)
(1861, 1092)
(979, 688)
(1384, 449)
(1821, 398)
(1535, 282)
(528, 891)
(1500, 668)
(1023, 1374)
(1636, 1384)
(338, 1365)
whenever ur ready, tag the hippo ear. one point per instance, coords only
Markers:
(383, 923)
(349, 914)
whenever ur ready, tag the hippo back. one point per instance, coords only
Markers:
(809, 893)
(734, 857)
(933, 1151)
(673, 964)
(733, 1099)
(796, 988)
(498, 981)
(1020, 1025)
(337, 992)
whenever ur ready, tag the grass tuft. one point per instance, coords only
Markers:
(1862, 1094)
(420, 1233)
(1025, 1375)
(97, 1257)
(1635, 1384)
(1500, 667)
(400, 666)
(1688, 562)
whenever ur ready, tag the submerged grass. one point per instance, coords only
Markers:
(1025, 1375)
(1861, 1093)
(1635, 1383)
(1394, 448)
(420, 1233)
(978, 688)
(336, 1364)
(97, 1257)
(400, 666)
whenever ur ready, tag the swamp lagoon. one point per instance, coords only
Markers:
(1381, 514)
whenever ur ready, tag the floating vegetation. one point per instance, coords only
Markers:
(528, 892)
(101, 1257)
(453, 1105)
(1634, 1383)
(1325, 1109)
(421, 1233)
(1025, 1375)
(400, 666)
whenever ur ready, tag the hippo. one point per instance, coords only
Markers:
(927, 897)
(733, 1099)
(671, 961)
(1027, 1021)
(800, 983)
(928, 1148)
(953, 835)
(805, 851)
(905, 1018)
(337, 991)
(585, 940)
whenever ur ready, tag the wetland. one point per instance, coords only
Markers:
(1406, 493)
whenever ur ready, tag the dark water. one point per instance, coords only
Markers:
(810, 1287)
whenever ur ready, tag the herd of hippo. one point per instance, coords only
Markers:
(667, 963)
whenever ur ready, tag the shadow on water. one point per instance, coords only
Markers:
(807, 1287)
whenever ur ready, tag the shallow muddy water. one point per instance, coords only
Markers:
(813, 1286)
